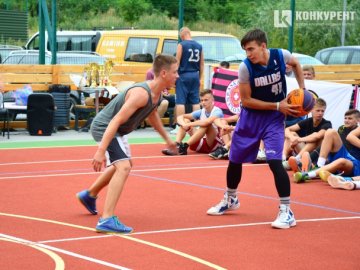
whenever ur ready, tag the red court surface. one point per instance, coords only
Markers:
(43, 226)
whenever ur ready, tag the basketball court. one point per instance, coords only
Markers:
(43, 226)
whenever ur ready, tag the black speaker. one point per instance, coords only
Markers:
(40, 114)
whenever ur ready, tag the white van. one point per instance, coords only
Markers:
(68, 41)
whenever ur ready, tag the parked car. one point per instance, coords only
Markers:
(339, 55)
(31, 57)
(5, 50)
(307, 59)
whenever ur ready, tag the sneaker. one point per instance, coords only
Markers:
(228, 203)
(261, 155)
(285, 218)
(175, 130)
(339, 182)
(88, 201)
(306, 162)
(219, 153)
(324, 175)
(112, 225)
(301, 177)
(294, 164)
(286, 165)
(168, 152)
(182, 148)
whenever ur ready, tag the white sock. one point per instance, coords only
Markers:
(321, 162)
(298, 158)
(312, 174)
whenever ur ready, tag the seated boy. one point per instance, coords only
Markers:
(205, 138)
(306, 135)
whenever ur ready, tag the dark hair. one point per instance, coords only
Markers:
(353, 111)
(224, 64)
(254, 35)
(163, 61)
(205, 92)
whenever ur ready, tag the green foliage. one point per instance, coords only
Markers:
(132, 10)
(224, 16)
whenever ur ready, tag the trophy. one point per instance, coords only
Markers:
(87, 75)
(102, 82)
(107, 71)
(94, 67)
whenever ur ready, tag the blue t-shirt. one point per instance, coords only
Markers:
(191, 55)
(268, 83)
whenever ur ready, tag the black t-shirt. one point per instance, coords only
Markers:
(307, 126)
(353, 150)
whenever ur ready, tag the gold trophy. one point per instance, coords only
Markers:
(94, 74)
(87, 75)
(101, 76)
(107, 72)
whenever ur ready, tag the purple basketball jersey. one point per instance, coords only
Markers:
(252, 127)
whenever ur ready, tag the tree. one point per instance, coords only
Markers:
(132, 10)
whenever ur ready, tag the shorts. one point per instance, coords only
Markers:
(252, 127)
(118, 149)
(344, 153)
(203, 147)
(187, 88)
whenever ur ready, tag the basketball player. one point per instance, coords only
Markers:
(262, 87)
(191, 65)
(120, 117)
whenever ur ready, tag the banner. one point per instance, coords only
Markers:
(225, 88)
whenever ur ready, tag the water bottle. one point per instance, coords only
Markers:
(82, 98)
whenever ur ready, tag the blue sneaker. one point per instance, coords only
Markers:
(112, 225)
(88, 201)
(285, 218)
(228, 203)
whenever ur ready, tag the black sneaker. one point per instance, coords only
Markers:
(219, 153)
(182, 148)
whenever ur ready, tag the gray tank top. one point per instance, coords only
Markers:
(103, 118)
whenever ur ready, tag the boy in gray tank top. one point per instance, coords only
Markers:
(109, 128)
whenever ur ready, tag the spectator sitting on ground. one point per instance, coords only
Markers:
(222, 151)
(351, 120)
(339, 158)
(348, 183)
(204, 139)
(306, 135)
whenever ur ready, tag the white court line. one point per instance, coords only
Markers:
(63, 251)
(132, 171)
(201, 228)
